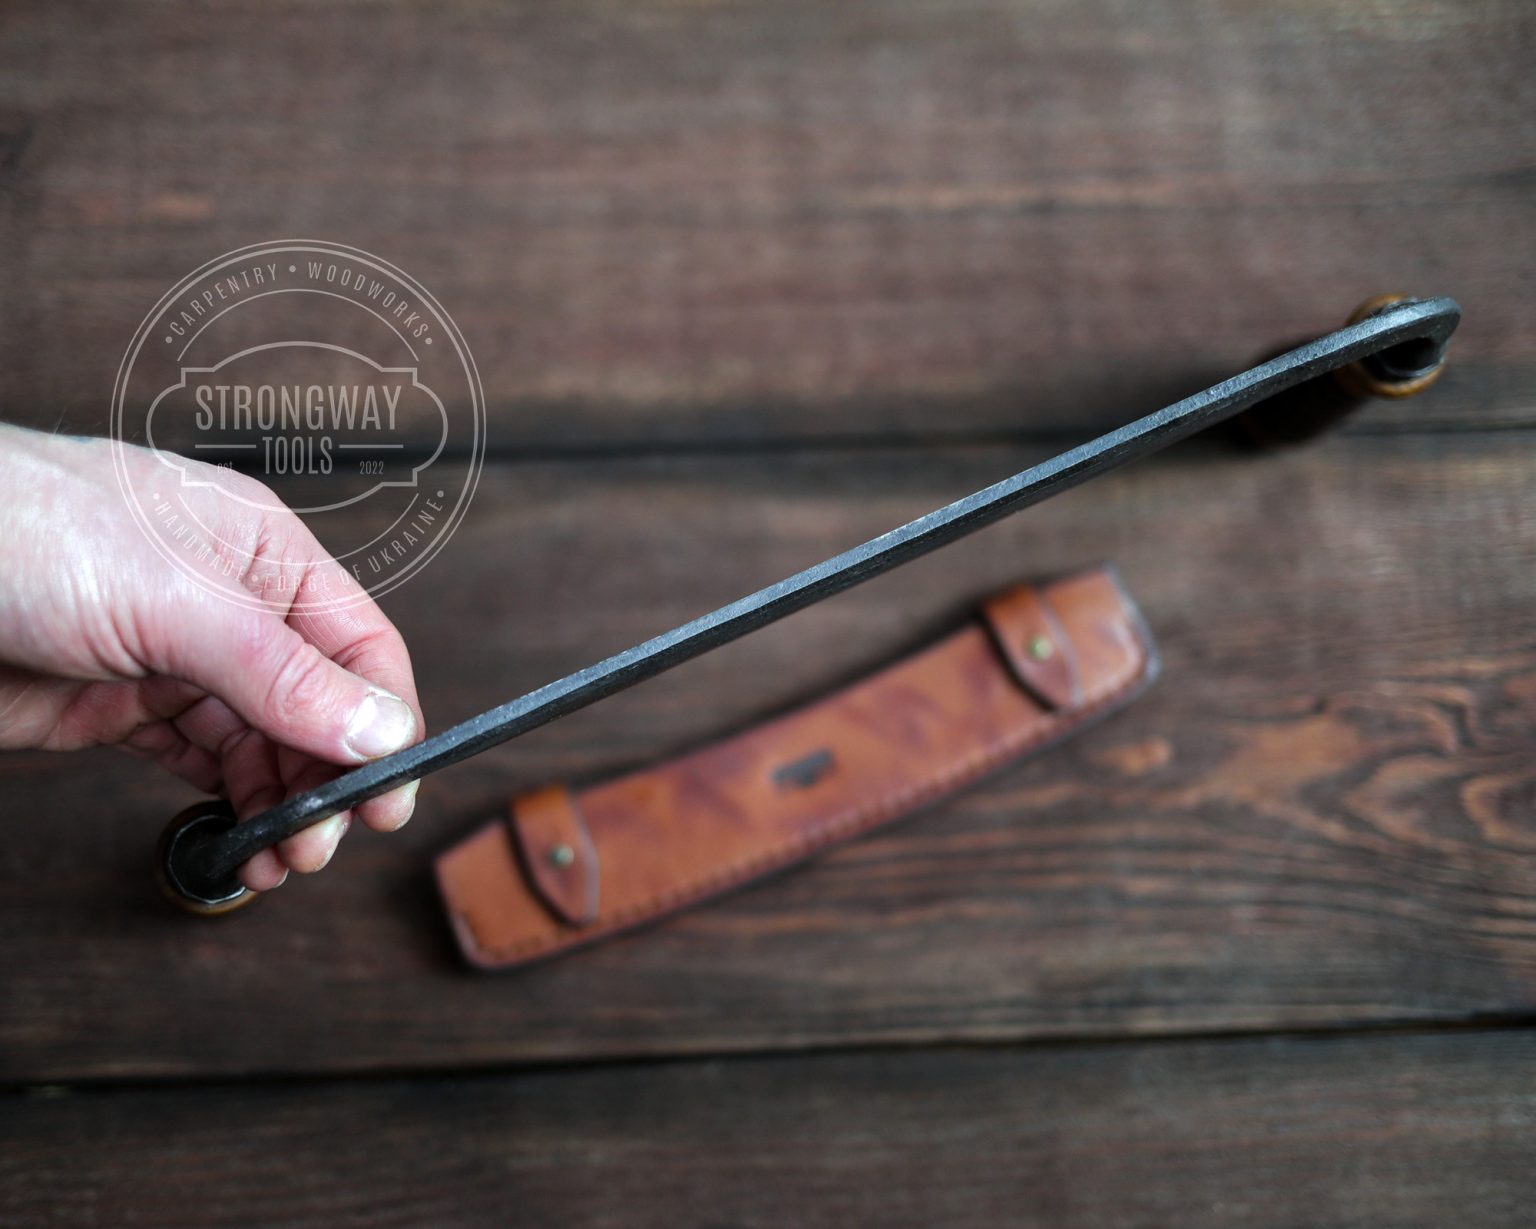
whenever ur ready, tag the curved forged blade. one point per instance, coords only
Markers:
(1421, 321)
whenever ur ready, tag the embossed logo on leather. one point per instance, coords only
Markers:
(805, 772)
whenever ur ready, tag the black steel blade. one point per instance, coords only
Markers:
(1416, 328)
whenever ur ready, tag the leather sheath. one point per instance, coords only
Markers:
(568, 866)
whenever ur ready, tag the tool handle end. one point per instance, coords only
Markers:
(180, 862)
(1301, 413)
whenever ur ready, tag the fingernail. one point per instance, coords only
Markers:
(403, 801)
(334, 829)
(381, 724)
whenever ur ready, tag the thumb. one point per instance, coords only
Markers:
(285, 687)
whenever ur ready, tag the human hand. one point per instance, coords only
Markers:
(103, 641)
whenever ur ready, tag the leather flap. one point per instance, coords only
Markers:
(1035, 646)
(557, 853)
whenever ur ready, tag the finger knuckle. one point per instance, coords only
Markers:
(300, 685)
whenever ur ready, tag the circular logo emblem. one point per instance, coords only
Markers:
(332, 378)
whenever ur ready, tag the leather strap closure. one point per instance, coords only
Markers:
(557, 853)
(569, 868)
(1035, 645)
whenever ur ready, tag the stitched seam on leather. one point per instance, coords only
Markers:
(850, 823)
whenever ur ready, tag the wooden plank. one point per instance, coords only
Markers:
(1320, 816)
(1264, 1134)
(769, 220)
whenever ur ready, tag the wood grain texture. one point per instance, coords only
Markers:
(1321, 816)
(754, 221)
(683, 240)
(1414, 1132)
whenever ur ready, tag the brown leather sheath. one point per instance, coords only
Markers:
(568, 867)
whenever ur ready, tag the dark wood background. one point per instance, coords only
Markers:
(748, 282)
